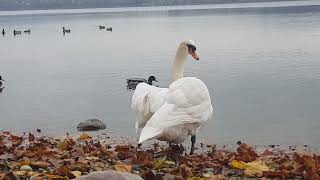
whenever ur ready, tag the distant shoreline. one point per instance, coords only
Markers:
(217, 6)
(28, 7)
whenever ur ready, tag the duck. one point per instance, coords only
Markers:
(109, 29)
(27, 31)
(64, 30)
(3, 32)
(173, 114)
(101, 27)
(133, 82)
(15, 32)
(1, 81)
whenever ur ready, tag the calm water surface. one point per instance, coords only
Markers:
(261, 66)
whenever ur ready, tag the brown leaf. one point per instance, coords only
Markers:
(246, 153)
(40, 164)
(11, 176)
(122, 167)
(311, 167)
(275, 174)
(31, 137)
(184, 171)
(217, 177)
(62, 170)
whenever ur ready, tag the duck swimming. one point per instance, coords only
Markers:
(15, 32)
(133, 82)
(27, 31)
(109, 29)
(3, 32)
(1, 80)
(64, 30)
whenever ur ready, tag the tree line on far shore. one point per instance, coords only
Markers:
(8, 5)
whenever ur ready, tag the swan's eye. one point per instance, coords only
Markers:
(191, 47)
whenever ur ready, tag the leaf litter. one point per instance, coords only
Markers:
(28, 156)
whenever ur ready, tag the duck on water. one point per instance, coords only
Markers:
(1, 88)
(64, 30)
(133, 82)
(1, 80)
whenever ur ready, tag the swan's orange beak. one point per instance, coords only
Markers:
(194, 54)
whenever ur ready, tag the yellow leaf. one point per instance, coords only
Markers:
(76, 173)
(63, 145)
(84, 136)
(21, 173)
(25, 161)
(254, 168)
(122, 167)
(160, 163)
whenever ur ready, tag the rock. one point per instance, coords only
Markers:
(228, 172)
(206, 170)
(136, 167)
(91, 125)
(114, 175)
(25, 168)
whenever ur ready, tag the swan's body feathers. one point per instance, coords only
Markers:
(172, 114)
(186, 107)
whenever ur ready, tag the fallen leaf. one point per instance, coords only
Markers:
(11, 176)
(62, 170)
(254, 168)
(217, 177)
(276, 174)
(246, 153)
(160, 163)
(40, 164)
(84, 136)
(31, 137)
(122, 167)
(73, 174)
(92, 158)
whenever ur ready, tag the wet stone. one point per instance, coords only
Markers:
(25, 168)
(208, 170)
(136, 167)
(91, 125)
(229, 172)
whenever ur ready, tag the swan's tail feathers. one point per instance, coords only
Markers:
(148, 133)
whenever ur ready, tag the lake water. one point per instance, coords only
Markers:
(260, 62)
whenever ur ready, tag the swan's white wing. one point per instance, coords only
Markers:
(188, 101)
(146, 100)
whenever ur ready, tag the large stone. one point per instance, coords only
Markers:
(91, 125)
(114, 175)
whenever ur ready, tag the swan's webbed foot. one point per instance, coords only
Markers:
(193, 141)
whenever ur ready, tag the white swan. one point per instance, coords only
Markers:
(172, 114)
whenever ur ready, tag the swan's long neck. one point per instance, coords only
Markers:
(178, 65)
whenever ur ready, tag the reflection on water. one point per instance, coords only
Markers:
(261, 67)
